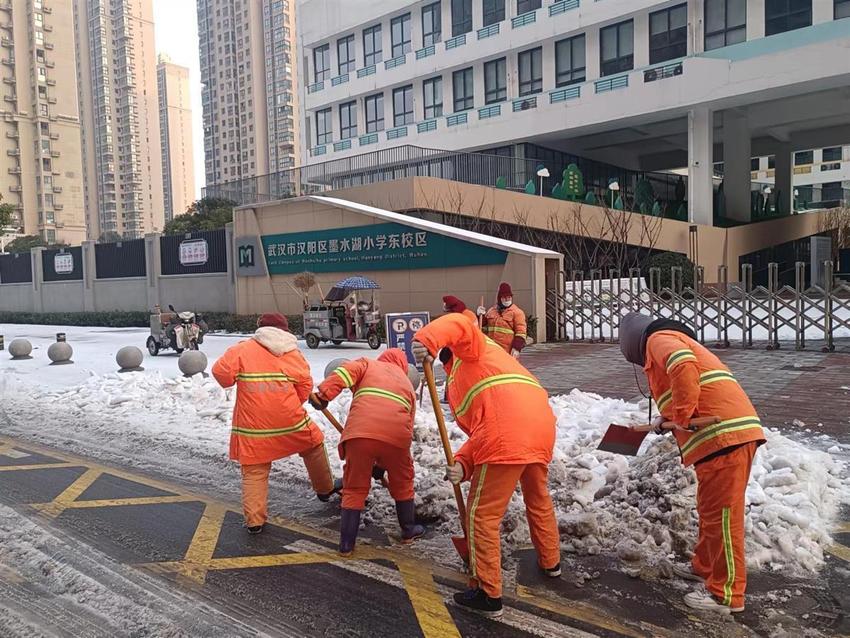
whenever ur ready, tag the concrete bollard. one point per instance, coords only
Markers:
(60, 353)
(333, 365)
(20, 349)
(129, 359)
(192, 362)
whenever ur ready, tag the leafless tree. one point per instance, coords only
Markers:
(836, 222)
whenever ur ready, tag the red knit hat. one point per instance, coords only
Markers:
(273, 320)
(505, 290)
(453, 304)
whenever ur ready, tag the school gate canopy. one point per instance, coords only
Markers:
(414, 261)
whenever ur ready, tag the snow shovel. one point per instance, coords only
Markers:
(460, 542)
(330, 417)
(626, 439)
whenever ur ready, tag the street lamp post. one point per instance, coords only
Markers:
(613, 186)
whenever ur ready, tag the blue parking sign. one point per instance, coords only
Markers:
(401, 326)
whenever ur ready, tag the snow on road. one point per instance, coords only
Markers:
(641, 509)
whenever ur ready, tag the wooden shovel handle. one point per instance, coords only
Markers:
(694, 424)
(428, 368)
(330, 417)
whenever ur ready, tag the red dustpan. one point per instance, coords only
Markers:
(626, 439)
(460, 542)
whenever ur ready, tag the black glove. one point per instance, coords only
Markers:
(378, 473)
(318, 402)
(445, 355)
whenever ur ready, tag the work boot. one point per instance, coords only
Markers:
(686, 572)
(478, 601)
(336, 490)
(552, 572)
(410, 530)
(349, 524)
(701, 600)
(255, 529)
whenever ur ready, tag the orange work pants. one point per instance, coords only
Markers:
(255, 483)
(719, 552)
(489, 494)
(361, 455)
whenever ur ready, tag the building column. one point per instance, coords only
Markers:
(822, 11)
(736, 165)
(89, 275)
(783, 183)
(641, 40)
(232, 255)
(696, 26)
(477, 18)
(591, 57)
(755, 19)
(700, 165)
(37, 264)
(153, 268)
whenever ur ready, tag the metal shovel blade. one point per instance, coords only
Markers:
(621, 439)
(462, 547)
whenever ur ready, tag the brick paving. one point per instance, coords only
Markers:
(785, 385)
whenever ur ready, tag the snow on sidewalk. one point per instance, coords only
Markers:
(642, 509)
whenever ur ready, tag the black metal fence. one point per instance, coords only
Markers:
(16, 268)
(62, 264)
(120, 259)
(193, 253)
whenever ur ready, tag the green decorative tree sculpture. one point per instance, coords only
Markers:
(682, 211)
(557, 192)
(618, 203)
(590, 198)
(656, 209)
(529, 188)
(573, 184)
(644, 195)
(501, 182)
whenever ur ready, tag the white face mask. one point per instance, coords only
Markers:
(507, 301)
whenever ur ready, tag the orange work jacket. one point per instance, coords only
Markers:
(503, 326)
(272, 381)
(384, 404)
(496, 401)
(688, 381)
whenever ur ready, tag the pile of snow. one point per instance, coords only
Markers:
(642, 508)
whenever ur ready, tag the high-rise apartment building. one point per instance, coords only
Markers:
(175, 133)
(116, 67)
(40, 165)
(249, 75)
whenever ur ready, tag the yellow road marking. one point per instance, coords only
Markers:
(842, 528)
(71, 493)
(840, 551)
(203, 544)
(37, 466)
(434, 619)
(120, 502)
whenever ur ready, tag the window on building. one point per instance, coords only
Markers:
(463, 90)
(754, 163)
(39, 37)
(831, 191)
(322, 62)
(668, 34)
(43, 110)
(804, 157)
(725, 23)
(400, 34)
(842, 9)
(432, 97)
(832, 154)
(771, 162)
(461, 17)
(374, 113)
(345, 55)
(324, 127)
(570, 61)
(432, 24)
(786, 15)
(524, 6)
(403, 105)
(495, 81)
(617, 48)
(494, 11)
(372, 47)
(348, 120)
(530, 71)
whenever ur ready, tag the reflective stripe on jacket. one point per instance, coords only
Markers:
(384, 403)
(502, 326)
(687, 381)
(497, 402)
(272, 381)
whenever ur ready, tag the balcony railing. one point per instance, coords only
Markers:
(456, 42)
(525, 103)
(395, 133)
(562, 7)
(661, 72)
(342, 145)
(318, 150)
(426, 52)
(524, 19)
(340, 79)
(611, 84)
(394, 62)
(315, 88)
(489, 31)
(365, 140)
(489, 111)
(457, 118)
(426, 126)
(366, 71)
(562, 95)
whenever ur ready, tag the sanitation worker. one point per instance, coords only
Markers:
(453, 304)
(505, 322)
(687, 381)
(511, 428)
(272, 381)
(378, 432)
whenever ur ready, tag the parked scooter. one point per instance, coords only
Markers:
(174, 330)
